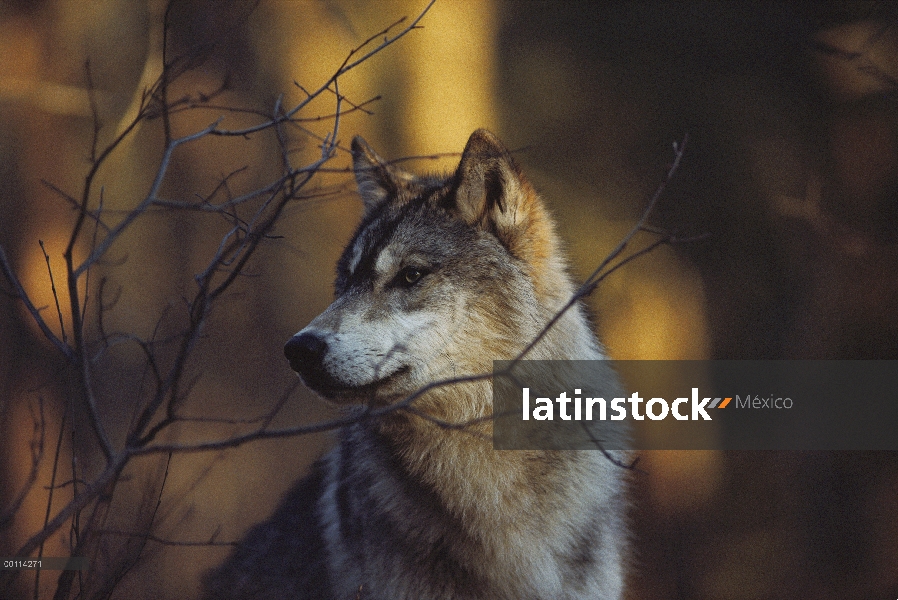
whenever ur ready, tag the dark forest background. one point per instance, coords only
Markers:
(791, 170)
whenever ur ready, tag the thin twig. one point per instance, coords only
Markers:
(53, 290)
(22, 295)
(165, 542)
(344, 68)
(56, 455)
(161, 172)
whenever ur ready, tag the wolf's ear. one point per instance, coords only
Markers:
(376, 179)
(490, 190)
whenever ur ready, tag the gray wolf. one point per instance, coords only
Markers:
(444, 275)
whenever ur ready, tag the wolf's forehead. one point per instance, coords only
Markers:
(414, 219)
(382, 250)
(378, 246)
(382, 254)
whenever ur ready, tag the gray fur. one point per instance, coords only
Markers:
(443, 276)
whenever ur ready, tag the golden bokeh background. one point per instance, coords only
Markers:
(790, 177)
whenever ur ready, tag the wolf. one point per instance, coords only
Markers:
(444, 275)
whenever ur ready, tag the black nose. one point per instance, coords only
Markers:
(304, 351)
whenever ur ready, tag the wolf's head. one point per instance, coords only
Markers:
(443, 276)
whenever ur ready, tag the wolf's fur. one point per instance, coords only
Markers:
(443, 276)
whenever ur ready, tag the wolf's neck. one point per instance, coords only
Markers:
(471, 481)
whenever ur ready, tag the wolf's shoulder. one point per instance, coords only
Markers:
(282, 557)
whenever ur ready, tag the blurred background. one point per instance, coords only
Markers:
(791, 170)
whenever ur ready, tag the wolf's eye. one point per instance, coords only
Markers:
(410, 275)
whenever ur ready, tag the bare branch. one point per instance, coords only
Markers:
(344, 68)
(53, 289)
(80, 501)
(141, 208)
(20, 293)
(52, 489)
(240, 440)
(142, 535)
(167, 373)
(589, 285)
(75, 204)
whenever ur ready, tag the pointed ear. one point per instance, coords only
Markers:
(493, 194)
(490, 190)
(376, 179)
